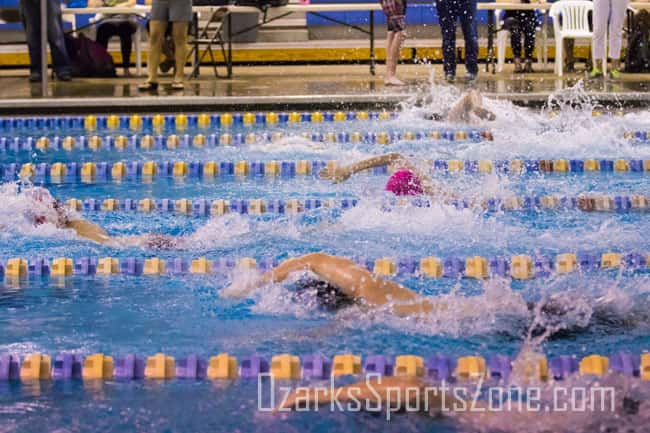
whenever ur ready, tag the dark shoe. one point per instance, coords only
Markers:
(570, 67)
(528, 67)
(451, 79)
(148, 86)
(64, 76)
(34, 77)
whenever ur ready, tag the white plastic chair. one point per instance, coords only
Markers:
(574, 25)
(502, 42)
(70, 18)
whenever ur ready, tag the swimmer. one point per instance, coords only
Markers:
(339, 282)
(45, 209)
(467, 109)
(407, 179)
(343, 278)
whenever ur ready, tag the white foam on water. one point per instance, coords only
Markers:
(16, 215)
(571, 132)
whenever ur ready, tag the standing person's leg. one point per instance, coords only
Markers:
(515, 41)
(180, 15)
(157, 26)
(601, 17)
(618, 11)
(60, 58)
(448, 28)
(105, 32)
(569, 60)
(156, 33)
(467, 14)
(398, 40)
(179, 32)
(30, 16)
(395, 11)
(125, 31)
(529, 27)
(390, 36)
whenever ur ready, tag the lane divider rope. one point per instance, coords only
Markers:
(200, 207)
(316, 366)
(198, 141)
(183, 121)
(137, 121)
(147, 170)
(519, 267)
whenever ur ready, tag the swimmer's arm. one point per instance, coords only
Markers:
(471, 102)
(88, 230)
(341, 174)
(354, 281)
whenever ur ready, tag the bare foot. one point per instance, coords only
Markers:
(394, 81)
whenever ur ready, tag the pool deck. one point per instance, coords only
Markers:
(315, 86)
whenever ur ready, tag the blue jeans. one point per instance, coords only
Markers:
(30, 12)
(464, 10)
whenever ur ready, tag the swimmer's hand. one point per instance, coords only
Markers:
(339, 174)
(586, 204)
(157, 241)
(244, 281)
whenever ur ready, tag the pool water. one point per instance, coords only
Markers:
(182, 314)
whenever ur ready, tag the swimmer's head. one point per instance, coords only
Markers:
(404, 182)
(44, 208)
(327, 296)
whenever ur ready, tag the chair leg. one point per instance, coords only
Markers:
(605, 59)
(559, 56)
(501, 51)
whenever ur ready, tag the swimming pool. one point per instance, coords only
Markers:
(179, 312)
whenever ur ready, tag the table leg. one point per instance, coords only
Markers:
(229, 62)
(43, 7)
(138, 50)
(196, 66)
(490, 50)
(545, 40)
(371, 21)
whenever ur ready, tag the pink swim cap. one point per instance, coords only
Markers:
(404, 182)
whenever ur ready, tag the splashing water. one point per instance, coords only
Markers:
(571, 132)
(17, 210)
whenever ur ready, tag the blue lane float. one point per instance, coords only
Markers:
(186, 141)
(519, 267)
(311, 367)
(91, 172)
(201, 207)
(182, 121)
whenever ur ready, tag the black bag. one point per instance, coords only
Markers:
(211, 2)
(88, 58)
(262, 4)
(637, 59)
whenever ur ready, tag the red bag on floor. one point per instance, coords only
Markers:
(88, 58)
